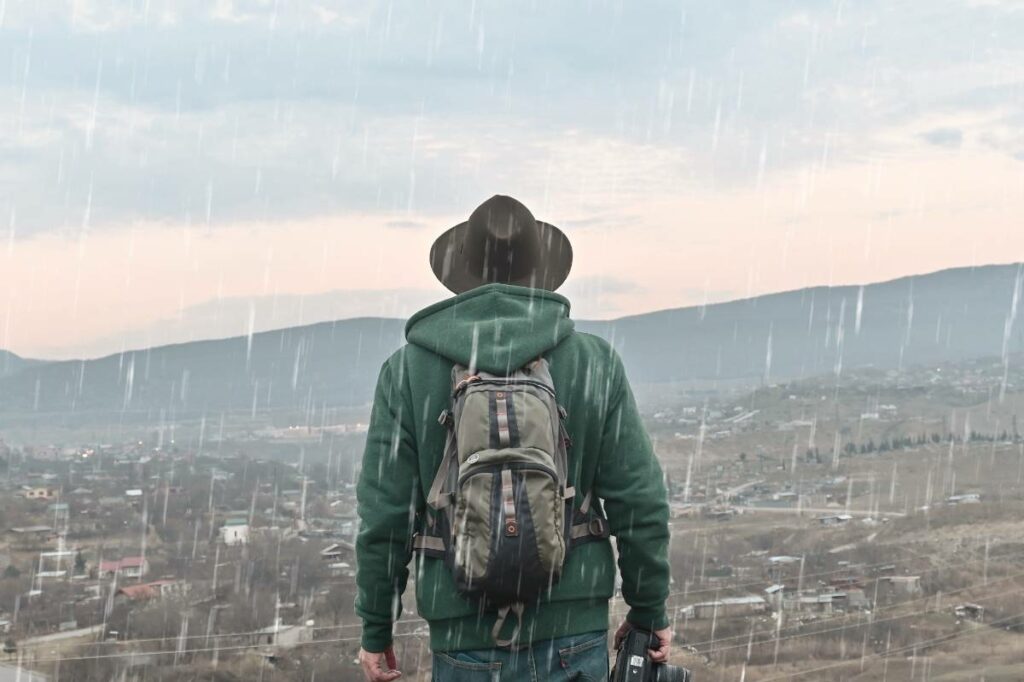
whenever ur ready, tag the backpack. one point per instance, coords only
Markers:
(504, 518)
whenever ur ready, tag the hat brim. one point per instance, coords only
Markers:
(549, 273)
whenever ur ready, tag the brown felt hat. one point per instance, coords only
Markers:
(501, 242)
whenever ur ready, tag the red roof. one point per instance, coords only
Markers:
(144, 591)
(137, 592)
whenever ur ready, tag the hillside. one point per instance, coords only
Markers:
(949, 315)
(11, 363)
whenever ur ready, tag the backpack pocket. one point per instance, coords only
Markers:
(514, 418)
(509, 534)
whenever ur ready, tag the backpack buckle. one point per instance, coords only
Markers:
(445, 418)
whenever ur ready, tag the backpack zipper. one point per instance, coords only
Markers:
(513, 466)
(501, 382)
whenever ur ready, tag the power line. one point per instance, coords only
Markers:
(892, 652)
(803, 635)
(421, 622)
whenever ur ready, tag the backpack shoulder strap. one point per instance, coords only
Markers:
(440, 495)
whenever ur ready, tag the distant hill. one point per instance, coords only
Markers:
(950, 315)
(11, 363)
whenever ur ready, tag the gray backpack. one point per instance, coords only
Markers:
(503, 516)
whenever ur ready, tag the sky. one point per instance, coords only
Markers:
(184, 169)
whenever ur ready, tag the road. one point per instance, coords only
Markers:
(818, 511)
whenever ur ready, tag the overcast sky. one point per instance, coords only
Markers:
(182, 169)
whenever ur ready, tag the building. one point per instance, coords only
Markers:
(158, 589)
(338, 551)
(824, 603)
(969, 611)
(128, 567)
(780, 566)
(775, 594)
(37, 493)
(284, 636)
(235, 532)
(30, 536)
(834, 519)
(904, 584)
(728, 607)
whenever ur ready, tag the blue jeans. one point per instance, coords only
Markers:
(576, 657)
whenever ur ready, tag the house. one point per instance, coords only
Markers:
(37, 493)
(341, 569)
(728, 607)
(834, 519)
(235, 532)
(969, 611)
(905, 584)
(719, 574)
(968, 498)
(337, 551)
(720, 514)
(158, 589)
(779, 566)
(29, 536)
(857, 599)
(826, 602)
(775, 593)
(683, 509)
(284, 636)
(846, 582)
(128, 567)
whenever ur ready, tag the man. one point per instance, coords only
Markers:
(504, 266)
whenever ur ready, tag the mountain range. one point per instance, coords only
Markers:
(950, 315)
(11, 363)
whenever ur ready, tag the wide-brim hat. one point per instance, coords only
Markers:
(501, 242)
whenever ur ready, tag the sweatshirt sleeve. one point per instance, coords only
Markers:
(630, 481)
(386, 495)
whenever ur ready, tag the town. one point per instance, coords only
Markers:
(814, 522)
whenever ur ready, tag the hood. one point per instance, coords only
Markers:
(504, 326)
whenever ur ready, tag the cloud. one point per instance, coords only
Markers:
(229, 317)
(241, 109)
(638, 128)
(406, 224)
(944, 137)
(848, 222)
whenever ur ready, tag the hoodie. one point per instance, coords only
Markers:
(499, 328)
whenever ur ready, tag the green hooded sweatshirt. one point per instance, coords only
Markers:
(502, 328)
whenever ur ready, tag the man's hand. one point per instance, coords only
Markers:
(659, 655)
(373, 665)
